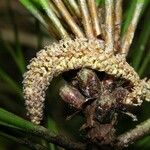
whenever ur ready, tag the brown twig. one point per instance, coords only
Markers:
(24, 142)
(94, 17)
(49, 136)
(133, 135)
(128, 36)
(118, 21)
(74, 27)
(86, 19)
(59, 140)
(109, 25)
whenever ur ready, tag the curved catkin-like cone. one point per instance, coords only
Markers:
(73, 54)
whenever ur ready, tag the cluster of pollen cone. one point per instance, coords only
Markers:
(87, 37)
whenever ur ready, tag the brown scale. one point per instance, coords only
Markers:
(100, 100)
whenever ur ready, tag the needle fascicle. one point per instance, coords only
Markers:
(94, 17)
(101, 14)
(68, 18)
(54, 19)
(129, 34)
(118, 22)
(75, 7)
(87, 23)
(109, 25)
(54, 9)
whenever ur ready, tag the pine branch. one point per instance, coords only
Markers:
(59, 140)
(133, 135)
(10, 120)
(24, 142)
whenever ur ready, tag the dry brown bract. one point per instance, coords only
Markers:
(74, 54)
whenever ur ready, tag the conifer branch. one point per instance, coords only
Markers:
(134, 134)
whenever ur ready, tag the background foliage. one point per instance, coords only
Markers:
(21, 36)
